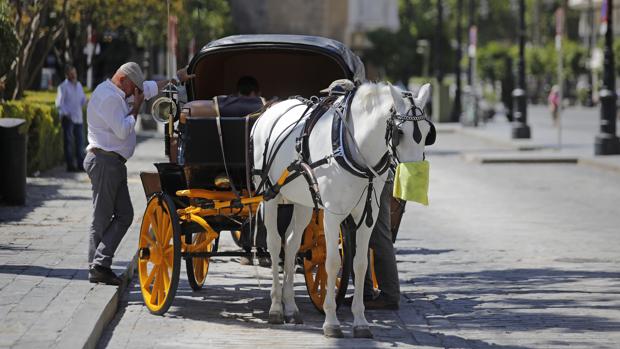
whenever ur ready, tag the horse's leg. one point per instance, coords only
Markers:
(361, 329)
(331, 225)
(270, 218)
(301, 218)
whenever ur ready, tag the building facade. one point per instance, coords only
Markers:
(344, 20)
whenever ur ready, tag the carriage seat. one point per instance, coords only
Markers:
(225, 106)
(200, 109)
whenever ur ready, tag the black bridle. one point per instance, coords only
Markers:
(394, 132)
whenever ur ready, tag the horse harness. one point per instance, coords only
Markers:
(303, 166)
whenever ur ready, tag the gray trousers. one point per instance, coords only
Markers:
(112, 210)
(385, 260)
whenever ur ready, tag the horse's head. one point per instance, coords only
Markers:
(408, 132)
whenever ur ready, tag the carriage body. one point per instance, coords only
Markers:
(187, 210)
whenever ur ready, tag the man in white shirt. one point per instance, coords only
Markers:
(70, 99)
(112, 140)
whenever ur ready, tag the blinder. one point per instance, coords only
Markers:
(415, 114)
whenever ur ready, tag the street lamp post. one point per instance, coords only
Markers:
(520, 129)
(438, 38)
(470, 61)
(606, 142)
(589, 101)
(456, 109)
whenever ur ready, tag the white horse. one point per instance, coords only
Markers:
(372, 108)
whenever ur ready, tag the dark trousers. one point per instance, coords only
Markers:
(112, 209)
(73, 143)
(383, 247)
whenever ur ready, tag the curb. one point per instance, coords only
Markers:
(528, 158)
(96, 312)
(593, 162)
(523, 145)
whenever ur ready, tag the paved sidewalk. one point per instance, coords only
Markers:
(579, 128)
(45, 297)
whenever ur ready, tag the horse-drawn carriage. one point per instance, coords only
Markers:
(325, 159)
(187, 211)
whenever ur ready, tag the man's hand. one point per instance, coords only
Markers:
(138, 98)
(183, 76)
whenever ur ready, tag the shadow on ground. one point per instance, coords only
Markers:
(518, 300)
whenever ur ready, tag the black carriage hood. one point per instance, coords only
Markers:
(284, 65)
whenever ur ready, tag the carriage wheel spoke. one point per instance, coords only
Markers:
(146, 238)
(168, 250)
(155, 225)
(167, 228)
(155, 289)
(150, 276)
(162, 295)
(166, 278)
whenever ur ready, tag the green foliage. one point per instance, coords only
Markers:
(44, 132)
(492, 59)
(8, 39)
(40, 97)
(543, 61)
(397, 52)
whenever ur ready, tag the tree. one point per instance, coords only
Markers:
(39, 24)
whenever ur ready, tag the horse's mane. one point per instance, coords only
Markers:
(371, 95)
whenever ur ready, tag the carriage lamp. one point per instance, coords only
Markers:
(222, 181)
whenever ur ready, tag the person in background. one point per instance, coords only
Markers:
(554, 103)
(70, 99)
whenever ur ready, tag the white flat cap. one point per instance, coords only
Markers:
(339, 86)
(134, 73)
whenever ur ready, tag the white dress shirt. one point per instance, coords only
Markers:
(70, 99)
(110, 126)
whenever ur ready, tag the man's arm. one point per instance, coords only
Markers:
(138, 98)
(183, 76)
(60, 100)
(113, 114)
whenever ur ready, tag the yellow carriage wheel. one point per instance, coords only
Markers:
(315, 273)
(197, 267)
(159, 251)
(236, 235)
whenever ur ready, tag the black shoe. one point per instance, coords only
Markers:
(103, 275)
(380, 303)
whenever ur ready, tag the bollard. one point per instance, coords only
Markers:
(13, 140)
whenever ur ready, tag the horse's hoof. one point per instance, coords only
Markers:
(294, 319)
(276, 318)
(333, 332)
(362, 332)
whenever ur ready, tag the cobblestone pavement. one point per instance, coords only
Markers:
(506, 256)
(43, 251)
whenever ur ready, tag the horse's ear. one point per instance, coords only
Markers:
(422, 97)
(399, 103)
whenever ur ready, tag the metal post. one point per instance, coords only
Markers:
(472, 5)
(438, 39)
(606, 142)
(520, 129)
(456, 109)
(589, 99)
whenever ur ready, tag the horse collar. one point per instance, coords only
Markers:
(341, 151)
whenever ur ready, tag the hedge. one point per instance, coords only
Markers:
(44, 132)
